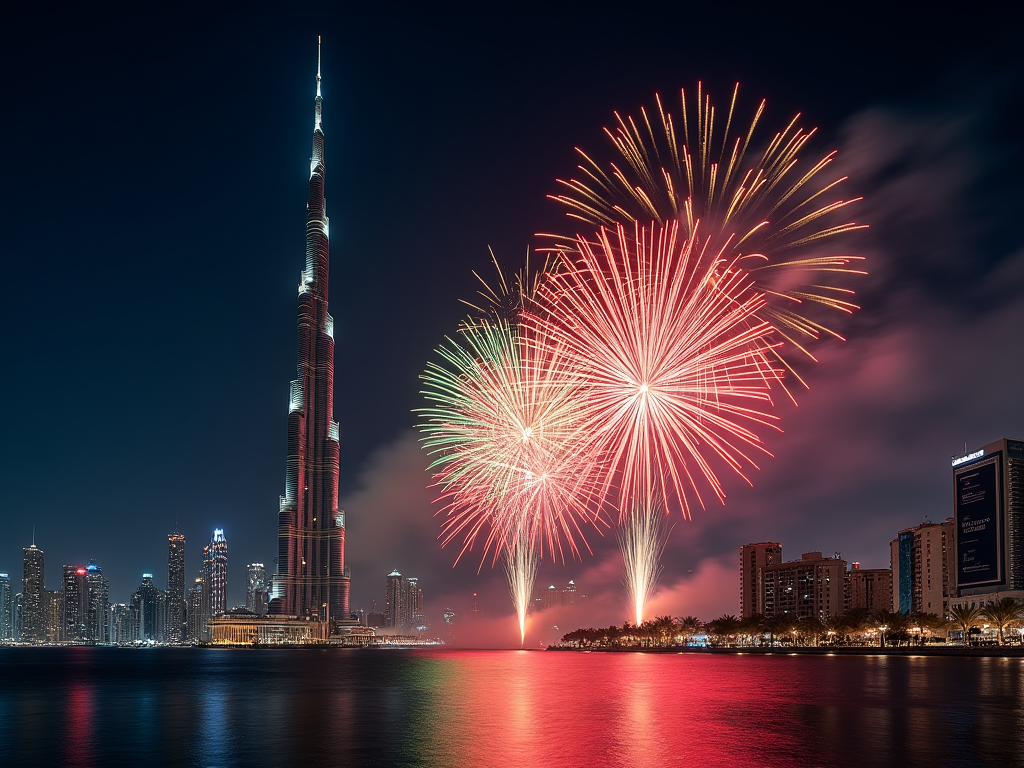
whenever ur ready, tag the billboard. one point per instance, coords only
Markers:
(978, 518)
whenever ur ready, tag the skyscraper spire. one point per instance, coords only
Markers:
(311, 579)
(316, 120)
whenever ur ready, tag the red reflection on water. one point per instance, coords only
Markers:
(79, 734)
(603, 709)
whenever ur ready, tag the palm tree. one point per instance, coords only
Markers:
(811, 629)
(665, 629)
(783, 624)
(688, 627)
(1002, 613)
(752, 627)
(893, 624)
(965, 617)
(723, 626)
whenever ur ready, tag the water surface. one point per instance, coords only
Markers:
(99, 706)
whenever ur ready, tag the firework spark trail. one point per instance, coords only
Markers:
(642, 538)
(503, 427)
(521, 561)
(676, 371)
(775, 213)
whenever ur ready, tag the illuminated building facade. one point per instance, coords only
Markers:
(215, 571)
(97, 604)
(868, 589)
(395, 608)
(148, 611)
(754, 558)
(256, 589)
(414, 601)
(311, 580)
(922, 575)
(6, 608)
(199, 611)
(121, 627)
(988, 522)
(75, 602)
(812, 587)
(176, 628)
(33, 587)
(53, 615)
(553, 596)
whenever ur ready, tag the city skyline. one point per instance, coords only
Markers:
(864, 456)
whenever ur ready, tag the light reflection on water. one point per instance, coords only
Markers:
(465, 709)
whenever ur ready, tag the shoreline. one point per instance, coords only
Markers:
(935, 650)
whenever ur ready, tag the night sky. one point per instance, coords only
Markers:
(154, 177)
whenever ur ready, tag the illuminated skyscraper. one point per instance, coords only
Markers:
(199, 611)
(97, 604)
(414, 602)
(33, 625)
(311, 580)
(75, 602)
(148, 608)
(256, 588)
(6, 608)
(395, 600)
(176, 629)
(215, 571)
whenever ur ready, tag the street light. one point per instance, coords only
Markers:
(882, 629)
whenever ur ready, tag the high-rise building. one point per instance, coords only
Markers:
(922, 574)
(311, 580)
(53, 615)
(812, 587)
(176, 629)
(97, 615)
(199, 611)
(149, 610)
(754, 558)
(75, 602)
(256, 589)
(19, 614)
(122, 628)
(553, 596)
(215, 571)
(449, 625)
(395, 609)
(6, 607)
(868, 589)
(988, 513)
(403, 605)
(414, 601)
(33, 585)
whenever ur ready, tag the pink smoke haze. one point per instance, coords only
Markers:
(933, 361)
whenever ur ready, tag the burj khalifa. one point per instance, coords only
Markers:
(312, 581)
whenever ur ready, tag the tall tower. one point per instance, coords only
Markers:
(74, 595)
(215, 571)
(256, 588)
(97, 604)
(176, 587)
(6, 608)
(311, 580)
(395, 598)
(33, 585)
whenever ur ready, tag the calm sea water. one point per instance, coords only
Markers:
(96, 706)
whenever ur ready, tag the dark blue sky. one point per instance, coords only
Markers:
(153, 178)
